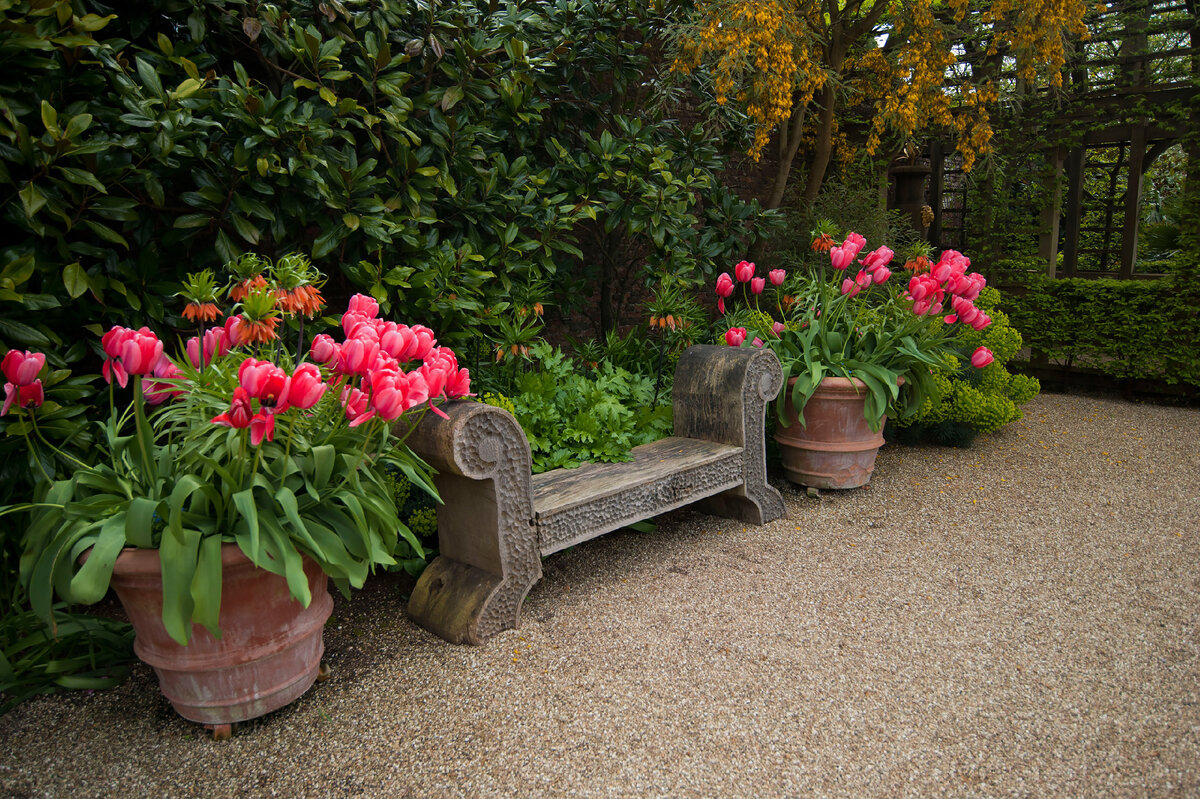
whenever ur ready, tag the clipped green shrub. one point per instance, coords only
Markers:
(970, 401)
(1131, 329)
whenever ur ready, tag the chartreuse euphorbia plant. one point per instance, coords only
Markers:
(858, 326)
(283, 456)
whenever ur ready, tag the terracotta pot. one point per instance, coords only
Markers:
(835, 447)
(270, 648)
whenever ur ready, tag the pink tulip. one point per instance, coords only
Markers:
(23, 396)
(877, 258)
(757, 285)
(940, 272)
(440, 364)
(262, 426)
(863, 278)
(112, 342)
(981, 321)
(239, 412)
(158, 391)
(325, 350)
(854, 243)
(423, 344)
(881, 275)
(743, 271)
(981, 357)
(265, 382)
(850, 287)
(140, 351)
(840, 257)
(777, 277)
(950, 318)
(724, 289)
(216, 344)
(363, 304)
(917, 288)
(306, 387)
(357, 355)
(758, 342)
(458, 385)
(21, 368)
(233, 331)
(352, 322)
(778, 328)
(921, 307)
(356, 404)
(734, 336)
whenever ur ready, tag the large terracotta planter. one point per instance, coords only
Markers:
(270, 648)
(835, 447)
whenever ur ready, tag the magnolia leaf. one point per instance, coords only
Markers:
(75, 280)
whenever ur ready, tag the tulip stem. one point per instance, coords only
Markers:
(662, 354)
(32, 449)
(300, 339)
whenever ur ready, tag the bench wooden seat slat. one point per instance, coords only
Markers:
(497, 520)
(576, 505)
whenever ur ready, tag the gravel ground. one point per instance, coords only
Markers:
(1018, 619)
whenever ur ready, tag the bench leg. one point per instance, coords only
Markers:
(489, 556)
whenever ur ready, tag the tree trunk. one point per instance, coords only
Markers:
(822, 150)
(789, 145)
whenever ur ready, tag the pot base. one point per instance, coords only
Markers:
(835, 448)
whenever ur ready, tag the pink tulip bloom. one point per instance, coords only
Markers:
(950, 318)
(306, 388)
(881, 275)
(357, 406)
(854, 243)
(863, 278)
(112, 342)
(724, 289)
(216, 344)
(734, 336)
(981, 321)
(916, 288)
(262, 426)
(423, 344)
(159, 391)
(877, 258)
(325, 350)
(757, 285)
(981, 357)
(21, 368)
(140, 351)
(363, 304)
(437, 368)
(840, 257)
(743, 271)
(778, 328)
(265, 382)
(23, 396)
(850, 287)
(777, 277)
(940, 272)
(758, 342)
(239, 413)
(233, 331)
(458, 385)
(357, 355)
(921, 307)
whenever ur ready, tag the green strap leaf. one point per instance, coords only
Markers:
(139, 522)
(177, 556)
(90, 583)
(206, 585)
(244, 502)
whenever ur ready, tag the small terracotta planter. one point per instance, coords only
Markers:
(270, 648)
(835, 447)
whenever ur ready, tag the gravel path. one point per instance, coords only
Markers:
(1015, 619)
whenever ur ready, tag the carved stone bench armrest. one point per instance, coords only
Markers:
(488, 545)
(721, 395)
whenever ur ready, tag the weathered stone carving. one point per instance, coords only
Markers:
(497, 520)
(489, 556)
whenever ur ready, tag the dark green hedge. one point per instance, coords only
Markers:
(1132, 329)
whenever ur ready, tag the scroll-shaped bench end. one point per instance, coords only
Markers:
(721, 394)
(488, 545)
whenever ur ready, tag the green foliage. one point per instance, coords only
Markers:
(967, 401)
(82, 653)
(430, 154)
(1138, 329)
(570, 416)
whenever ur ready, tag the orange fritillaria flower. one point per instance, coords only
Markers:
(202, 311)
(239, 291)
(823, 243)
(260, 331)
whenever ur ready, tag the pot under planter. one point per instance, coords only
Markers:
(835, 447)
(270, 648)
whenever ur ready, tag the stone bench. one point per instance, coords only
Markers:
(498, 520)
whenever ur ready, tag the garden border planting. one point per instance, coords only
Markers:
(498, 520)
